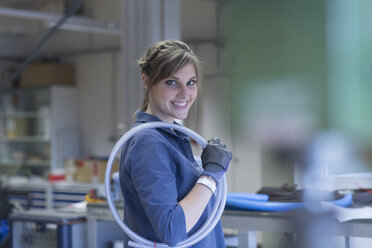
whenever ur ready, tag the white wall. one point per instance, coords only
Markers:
(98, 78)
(97, 81)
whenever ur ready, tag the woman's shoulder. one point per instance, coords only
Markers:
(146, 147)
(150, 136)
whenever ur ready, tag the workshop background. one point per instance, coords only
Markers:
(285, 83)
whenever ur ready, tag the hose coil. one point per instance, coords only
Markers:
(204, 230)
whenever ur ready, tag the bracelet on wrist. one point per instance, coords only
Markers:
(208, 183)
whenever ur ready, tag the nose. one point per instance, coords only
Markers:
(183, 92)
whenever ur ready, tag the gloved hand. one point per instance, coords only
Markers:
(215, 159)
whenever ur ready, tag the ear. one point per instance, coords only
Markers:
(144, 80)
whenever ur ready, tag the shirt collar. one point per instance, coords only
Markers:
(142, 117)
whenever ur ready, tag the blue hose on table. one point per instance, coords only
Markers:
(249, 196)
(259, 202)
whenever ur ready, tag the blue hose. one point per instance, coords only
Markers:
(248, 196)
(249, 203)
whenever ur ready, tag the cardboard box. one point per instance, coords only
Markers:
(89, 170)
(46, 74)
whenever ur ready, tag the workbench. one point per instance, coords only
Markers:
(100, 221)
(101, 226)
(48, 228)
(249, 222)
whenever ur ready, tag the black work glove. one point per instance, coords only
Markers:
(215, 159)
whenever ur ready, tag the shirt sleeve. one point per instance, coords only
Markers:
(153, 176)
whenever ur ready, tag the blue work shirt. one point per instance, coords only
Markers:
(157, 170)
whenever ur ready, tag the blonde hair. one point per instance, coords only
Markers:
(162, 60)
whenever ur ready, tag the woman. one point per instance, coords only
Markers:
(166, 197)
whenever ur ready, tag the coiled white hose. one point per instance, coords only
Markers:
(209, 224)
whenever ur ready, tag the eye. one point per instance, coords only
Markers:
(191, 83)
(171, 82)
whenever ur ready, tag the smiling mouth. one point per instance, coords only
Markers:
(180, 104)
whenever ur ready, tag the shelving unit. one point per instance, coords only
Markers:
(46, 195)
(38, 127)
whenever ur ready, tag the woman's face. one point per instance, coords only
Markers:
(172, 97)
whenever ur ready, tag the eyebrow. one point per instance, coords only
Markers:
(193, 77)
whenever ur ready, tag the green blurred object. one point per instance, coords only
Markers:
(316, 49)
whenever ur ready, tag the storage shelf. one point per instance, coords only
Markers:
(46, 194)
(24, 114)
(30, 163)
(38, 127)
(74, 23)
(27, 139)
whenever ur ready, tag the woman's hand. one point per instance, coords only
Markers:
(215, 159)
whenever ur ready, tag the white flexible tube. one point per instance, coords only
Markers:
(209, 224)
